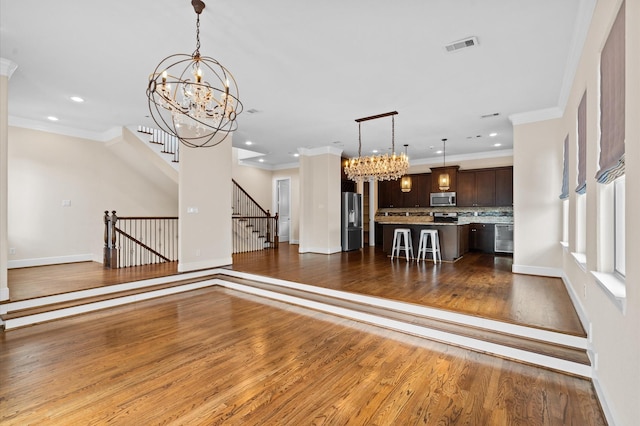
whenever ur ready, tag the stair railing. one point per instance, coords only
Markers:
(136, 241)
(254, 228)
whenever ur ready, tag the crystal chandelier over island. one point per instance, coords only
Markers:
(377, 167)
(184, 103)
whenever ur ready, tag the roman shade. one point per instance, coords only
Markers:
(565, 171)
(612, 98)
(582, 145)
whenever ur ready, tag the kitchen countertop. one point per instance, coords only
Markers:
(428, 220)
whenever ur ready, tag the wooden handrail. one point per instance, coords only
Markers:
(141, 244)
(266, 212)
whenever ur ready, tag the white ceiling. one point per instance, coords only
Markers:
(309, 69)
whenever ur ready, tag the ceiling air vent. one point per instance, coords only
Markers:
(462, 44)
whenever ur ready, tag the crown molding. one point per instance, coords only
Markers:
(323, 150)
(452, 159)
(580, 31)
(26, 123)
(535, 116)
(7, 67)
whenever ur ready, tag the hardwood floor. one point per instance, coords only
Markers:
(27, 283)
(215, 356)
(478, 284)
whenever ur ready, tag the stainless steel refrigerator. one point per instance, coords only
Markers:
(351, 221)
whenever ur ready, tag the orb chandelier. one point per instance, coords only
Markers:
(194, 97)
(377, 167)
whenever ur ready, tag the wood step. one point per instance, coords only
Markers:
(86, 300)
(74, 303)
(554, 350)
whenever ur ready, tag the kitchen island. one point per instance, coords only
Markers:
(454, 238)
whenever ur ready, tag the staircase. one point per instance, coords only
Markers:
(253, 227)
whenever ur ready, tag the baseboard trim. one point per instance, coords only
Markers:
(206, 264)
(604, 404)
(320, 250)
(42, 261)
(4, 293)
(577, 304)
(537, 270)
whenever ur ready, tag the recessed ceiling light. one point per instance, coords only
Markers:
(248, 143)
(52, 118)
(493, 134)
(375, 151)
(497, 144)
(261, 160)
(439, 152)
(77, 99)
(296, 155)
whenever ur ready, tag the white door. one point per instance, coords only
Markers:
(283, 207)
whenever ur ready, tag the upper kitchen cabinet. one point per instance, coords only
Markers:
(504, 186)
(476, 188)
(390, 194)
(453, 178)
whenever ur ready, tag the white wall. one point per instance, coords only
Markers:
(205, 233)
(46, 168)
(320, 200)
(256, 181)
(537, 211)
(614, 333)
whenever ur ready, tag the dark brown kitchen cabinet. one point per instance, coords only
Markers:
(453, 178)
(476, 188)
(390, 194)
(482, 237)
(504, 186)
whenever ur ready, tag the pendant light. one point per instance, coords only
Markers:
(405, 182)
(444, 181)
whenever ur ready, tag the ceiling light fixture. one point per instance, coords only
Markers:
(493, 134)
(52, 118)
(405, 182)
(184, 103)
(77, 99)
(444, 180)
(377, 167)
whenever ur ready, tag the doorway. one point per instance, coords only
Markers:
(283, 207)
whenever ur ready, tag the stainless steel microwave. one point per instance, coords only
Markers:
(439, 199)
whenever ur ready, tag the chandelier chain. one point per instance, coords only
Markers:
(196, 54)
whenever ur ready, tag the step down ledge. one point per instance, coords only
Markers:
(32, 319)
(100, 291)
(543, 335)
(546, 361)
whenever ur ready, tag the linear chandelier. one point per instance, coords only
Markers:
(377, 167)
(184, 103)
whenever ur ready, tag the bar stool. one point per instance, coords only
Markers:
(398, 235)
(433, 248)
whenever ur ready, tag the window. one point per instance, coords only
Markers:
(565, 222)
(619, 227)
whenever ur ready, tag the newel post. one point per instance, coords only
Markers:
(110, 257)
(276, 238)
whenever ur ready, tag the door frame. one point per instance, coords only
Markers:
(275, 199)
